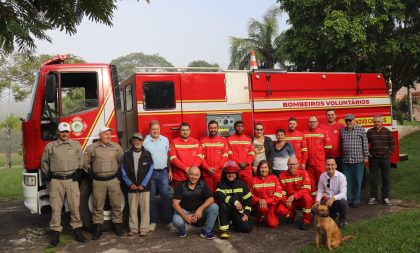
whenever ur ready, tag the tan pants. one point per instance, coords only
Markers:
(135, 200)
(58, 190)
(99, 191)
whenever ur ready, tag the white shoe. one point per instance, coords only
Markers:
(372, 201)
(387, 202)
(152, 226)
(171, 227)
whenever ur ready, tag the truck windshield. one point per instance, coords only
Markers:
(33, 95)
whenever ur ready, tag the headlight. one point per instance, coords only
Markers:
(29, 180)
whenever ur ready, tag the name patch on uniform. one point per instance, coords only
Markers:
(71, 151)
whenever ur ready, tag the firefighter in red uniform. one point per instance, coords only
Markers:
(319, 145)
(215, 154)
(241, 151)
(267, 196)
(185, 152)
(296, 185)
(334, 132)
(298, 141)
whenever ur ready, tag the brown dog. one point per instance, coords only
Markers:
(326, 229)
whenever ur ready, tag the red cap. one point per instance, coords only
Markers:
(230, 167)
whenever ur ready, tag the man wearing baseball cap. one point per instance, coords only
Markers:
(101, 160)
(354, 146)
(137, 168)
(62, 163)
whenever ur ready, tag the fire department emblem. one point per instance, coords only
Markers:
(78, 126)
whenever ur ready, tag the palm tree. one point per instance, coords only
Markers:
(11, 122)
(263, 38)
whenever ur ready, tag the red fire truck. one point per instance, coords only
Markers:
(89, 96)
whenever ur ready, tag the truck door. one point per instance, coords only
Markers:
(79, 99)
(159, 98)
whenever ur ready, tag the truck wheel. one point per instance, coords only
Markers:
(85, 213)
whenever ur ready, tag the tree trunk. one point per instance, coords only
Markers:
(8, 163)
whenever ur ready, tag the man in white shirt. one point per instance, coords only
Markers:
(332, 191)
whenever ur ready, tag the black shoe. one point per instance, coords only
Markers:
(78, 236)
(55, 239)
(304, 226)
(97, 231)
(118, 229)
(355, 205)
(342, 224)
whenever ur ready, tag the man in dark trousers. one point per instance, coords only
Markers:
(381, 147)
(137, 169)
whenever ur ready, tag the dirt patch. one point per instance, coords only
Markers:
(25, 232)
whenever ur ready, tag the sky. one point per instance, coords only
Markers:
(179, 30)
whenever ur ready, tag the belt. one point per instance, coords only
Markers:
(99, 178)
(166, 168)
(62, 177)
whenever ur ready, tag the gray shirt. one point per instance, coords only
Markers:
(136, 157)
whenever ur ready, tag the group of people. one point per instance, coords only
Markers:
(219, 178)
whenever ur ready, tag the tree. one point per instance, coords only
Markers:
(25, 20)
(263, 38)
(11, 122)
(356, 36)
(127, 64)
(17, 73)
(203, 64)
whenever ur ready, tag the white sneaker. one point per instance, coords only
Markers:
(387, 202)
(171, 227)
(372, 201)
(152, 226)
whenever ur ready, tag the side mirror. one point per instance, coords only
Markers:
(51, 89)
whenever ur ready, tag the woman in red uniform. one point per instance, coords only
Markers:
(267, 198)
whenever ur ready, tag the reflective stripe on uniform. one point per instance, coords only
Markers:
(255, 186)
(247, 196)
(217, 144)
(227, 199)
(172, 157)
(290, 180)
(314, 135)
(306, 186)
(225, 227)
(239, 142)
(298, 138)
(306, 210)
(278, 194)
(186, 145)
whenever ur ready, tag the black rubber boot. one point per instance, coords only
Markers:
(78, 236)
(55, 239)
(118, 229)
(97, 231)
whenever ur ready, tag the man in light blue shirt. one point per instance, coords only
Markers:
(332, 190)
(158, 146)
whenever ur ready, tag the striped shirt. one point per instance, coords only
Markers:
(354, 145)
(381, 142)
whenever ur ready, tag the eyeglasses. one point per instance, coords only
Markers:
(259, 129)
(328, 183)
(348, 120)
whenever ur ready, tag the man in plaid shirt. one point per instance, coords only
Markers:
(354, 146)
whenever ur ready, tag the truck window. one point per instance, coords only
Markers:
(79, 92)
(49, 118)
(128, 98)
(159, 95)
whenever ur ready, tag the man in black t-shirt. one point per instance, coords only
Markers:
(193, 202)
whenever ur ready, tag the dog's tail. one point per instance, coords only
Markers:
(348, 237)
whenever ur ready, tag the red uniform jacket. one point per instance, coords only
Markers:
(268, 189)
(297, 184)
(215, 153)
(298, 141)
(241, 149)
(319, 144)
(184, 154)
(334, 134)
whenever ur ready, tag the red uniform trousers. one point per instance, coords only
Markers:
(246, 176)
(315, 172)
(305, 202)
(272, 214)
(212, 181)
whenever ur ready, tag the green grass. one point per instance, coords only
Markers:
(409, 123)
(11, 184)
(398, 232)
(66, 237)
(405, 181)
(17, 160)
